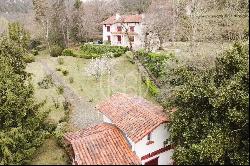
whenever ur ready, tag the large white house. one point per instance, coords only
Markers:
(135, 132)
(120, 30)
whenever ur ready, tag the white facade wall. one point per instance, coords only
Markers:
(159, 136)
(124, 42)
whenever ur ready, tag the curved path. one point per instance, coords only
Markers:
(83, 113)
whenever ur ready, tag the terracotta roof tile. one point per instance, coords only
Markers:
(124, 19)
(103, 144)
(135, 116)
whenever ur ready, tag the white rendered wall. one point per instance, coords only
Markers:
(159, 136)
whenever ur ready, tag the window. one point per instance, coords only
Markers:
(132, 29)
(119, 28)
(109, 38)
(108, 28)
(149, 136)
(119, 38)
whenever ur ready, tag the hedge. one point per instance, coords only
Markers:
(102, 49)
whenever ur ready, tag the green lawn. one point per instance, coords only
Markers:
(124, 78)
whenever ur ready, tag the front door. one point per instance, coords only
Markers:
(152, 162)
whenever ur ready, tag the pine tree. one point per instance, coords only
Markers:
(21, 121)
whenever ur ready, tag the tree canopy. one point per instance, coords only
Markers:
(211, 124)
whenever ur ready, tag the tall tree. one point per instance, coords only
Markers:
(21, 120)
(76, 20)
(59, 24)
(211, 124)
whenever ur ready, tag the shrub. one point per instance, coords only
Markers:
(56, 103)
(102, 49)
(153, 89)
(60, 61)
(58, 69)
(56, 51)
(46, 83)
(71, 80)
(41, 47)
(29, 58)
(68, 52)
(65, 72)
(34, 43)
(60, 89)
(59, 133)
(34, 52)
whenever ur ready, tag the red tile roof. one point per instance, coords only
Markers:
(103, 144)
(124, 19)
(135, 116)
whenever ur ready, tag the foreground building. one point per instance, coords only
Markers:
(120, 29)
(135, 132)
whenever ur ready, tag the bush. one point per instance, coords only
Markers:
(34, 43)
(60, 89)
(56, 51)
(34, 52)
(65, 72)
(153, 61)
(58, 69)
(46, 83)
(153, 89)
(60, 61)
(60, 130)
(29, 58)
(41, 47)
(71, 80)
(68, 52)
(102, 49)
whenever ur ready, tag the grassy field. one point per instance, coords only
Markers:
(124, 78)
(50, 153)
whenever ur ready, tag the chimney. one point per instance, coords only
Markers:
(117, 17)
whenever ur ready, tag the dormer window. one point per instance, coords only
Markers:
(108, 28)
(119, 28)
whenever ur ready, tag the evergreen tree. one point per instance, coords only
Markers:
(211, 124)
(21, 121)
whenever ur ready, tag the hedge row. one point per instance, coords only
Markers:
(102, 49)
